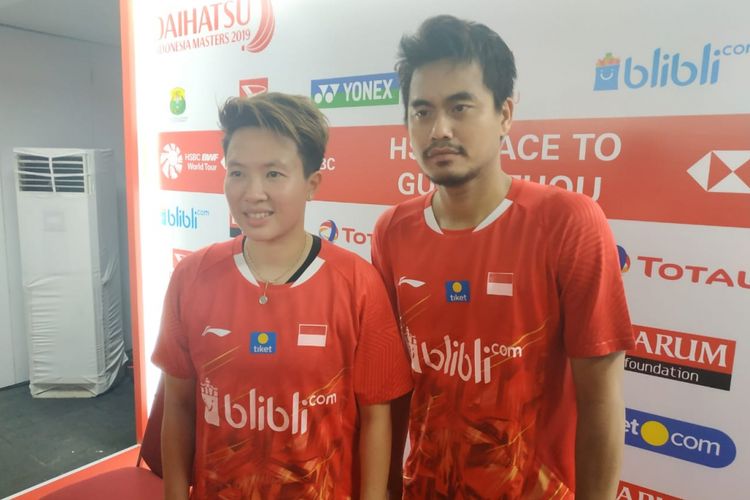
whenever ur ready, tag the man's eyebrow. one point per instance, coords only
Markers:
(457, 97)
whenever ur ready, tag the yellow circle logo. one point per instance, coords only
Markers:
(654, 433)
(457, 287)
(262, 338)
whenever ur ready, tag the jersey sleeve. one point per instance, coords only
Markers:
(172, 353)
(381, 369)
(594, 313)
(380, 258)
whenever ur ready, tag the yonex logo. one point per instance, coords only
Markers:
(678, 439)
(723, 172)
(364, 90)
(171, 161)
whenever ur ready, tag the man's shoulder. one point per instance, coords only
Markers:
(553, 203)
(406, 212)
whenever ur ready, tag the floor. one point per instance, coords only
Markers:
(42, 438)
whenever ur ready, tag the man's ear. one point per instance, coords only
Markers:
(506, 116)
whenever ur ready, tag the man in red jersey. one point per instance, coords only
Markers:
(280, 350)
(509, 295)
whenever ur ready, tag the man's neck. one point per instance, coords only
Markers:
(465, 206)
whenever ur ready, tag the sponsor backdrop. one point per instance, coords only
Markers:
(654, 127)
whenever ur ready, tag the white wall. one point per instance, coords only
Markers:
(54, 92)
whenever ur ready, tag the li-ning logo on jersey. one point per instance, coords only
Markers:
(261, 412)
(403, 280)
(454, 358)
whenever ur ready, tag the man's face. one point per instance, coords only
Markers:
(265, 184)
(454, 127)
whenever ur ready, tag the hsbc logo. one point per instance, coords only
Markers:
(171, 161)
(253, 86)
(723, 172)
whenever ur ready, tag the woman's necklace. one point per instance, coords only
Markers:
(263, 299)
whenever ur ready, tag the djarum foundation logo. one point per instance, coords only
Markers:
(680, 356)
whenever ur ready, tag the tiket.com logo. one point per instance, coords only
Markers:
(250, 23)
(685, 357)
(253, 86)
(263, 342)
(180, 218)
(723, 172)
(623, 258)
(455, 358)
(665, 68)
(177, 101)
(457, 291)
(171, 161)
(655, 267)
(678, 439)
(260, 412)
(328, 230)
(364, 90)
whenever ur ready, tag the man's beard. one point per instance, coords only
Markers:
(453, 180)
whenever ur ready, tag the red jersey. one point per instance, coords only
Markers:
(491, 316)
(277, 385)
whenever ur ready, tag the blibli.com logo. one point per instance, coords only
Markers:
(350, 91)
(457, 291)
(665, 69)
(180, 218)
(678, 439)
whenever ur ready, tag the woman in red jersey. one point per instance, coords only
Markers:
(280, 350)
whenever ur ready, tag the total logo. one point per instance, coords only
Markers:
(350, 91)
(253, 86)
(723, 172)
(665, 69)
(171, 161)
(261, 412)
(623, 258)
(453, 358)
(657, 268)
(181, 218)
(177, 103)
(680, 356)
(678, 439)
(330, 231)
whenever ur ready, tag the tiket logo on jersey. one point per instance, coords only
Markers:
(261, 412)
(455, 358)
(457, 291)
(263, 342)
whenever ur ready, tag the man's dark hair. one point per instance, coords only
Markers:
(447, 37)
(292, 116)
